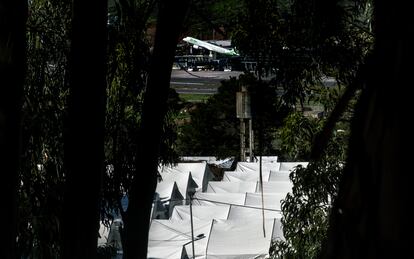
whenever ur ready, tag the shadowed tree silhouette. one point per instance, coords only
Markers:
(13, 15)
(84, 130)
(170, 19)
(372, 217)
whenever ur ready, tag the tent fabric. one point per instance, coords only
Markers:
(201, 212)
(275, 187)
(277, 176)
(200, 172)
(265, 159)
(218, 199)
(185, 182)
(169, 196)
(227, 215)
(211, 160)
(241, 176)
(271, 200)
(253, 214)
(238, 239)
(289, 166)
(252, 167)
(231, 187)
(167, 238)
(247, 213)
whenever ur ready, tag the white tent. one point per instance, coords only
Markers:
(255, 166)
(241, 176)
(271, 200)
(277, 176)
(238, 239)
(201, 212)
(231, 187)
(167, 238)
(266, 159)
(200, 172)
(275, 187)
(247, 213)
(168, 197)
(219, 199)
(185, 182)
(289, 166)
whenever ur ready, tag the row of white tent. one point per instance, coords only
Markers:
(227, 215)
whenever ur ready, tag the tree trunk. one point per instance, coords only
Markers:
(13, 16)
(372, 217)
(170, 19)
(84, 130)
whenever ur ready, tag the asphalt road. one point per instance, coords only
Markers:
(207, 82)
(199, 82)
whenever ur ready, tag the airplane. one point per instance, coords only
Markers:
(210, 47)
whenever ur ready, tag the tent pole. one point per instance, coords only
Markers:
(192, 227)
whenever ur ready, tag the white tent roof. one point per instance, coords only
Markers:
(271, 200)
(207, 212)
(232, 187)
(255, 166)
(289, 166)
(219, 199)
(267, 159)
(185, 181)
(277, 176)
(275, 187)
(238, 239)
(166, 193)
(200, 172)
(241, 176)
(165, 252)
(246, 213)
(167, 238)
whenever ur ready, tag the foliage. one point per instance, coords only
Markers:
(298, 43)
(45, 93)
(214, 128)
(296, 137)
(218, 15)
(306, 209)
(129, 58)
(44, 110)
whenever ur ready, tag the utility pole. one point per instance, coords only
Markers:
(191, 193)
(243, 112)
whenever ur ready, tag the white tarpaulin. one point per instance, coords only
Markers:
(219, 199)
(231, 187)
(211, 160)
(247, 213)
(275, 187)
(271, 200)
(167, 238)
(254, 214)
(289, 166)
(239, 239)
(185, 182)
(168, 197)
(266, 159)
(201, 212)
(277, 176)
(241, 176)
(254, 166)
(200, 172)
